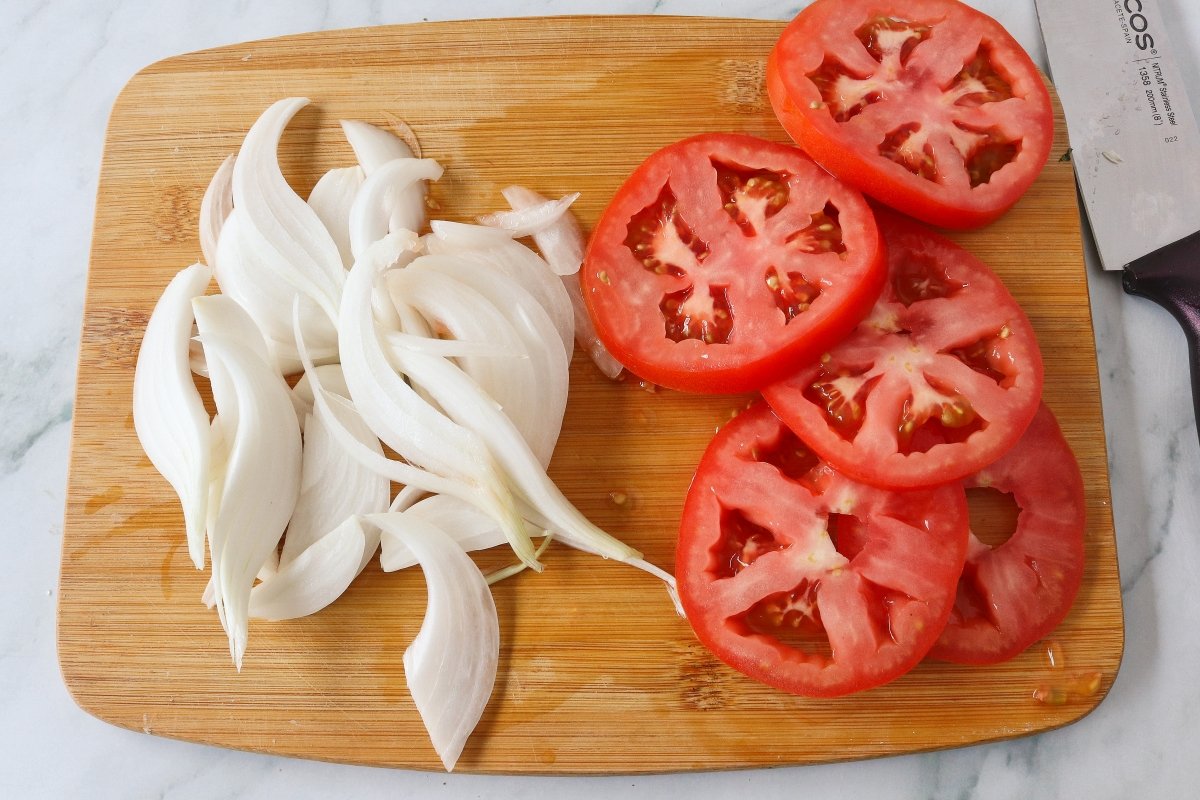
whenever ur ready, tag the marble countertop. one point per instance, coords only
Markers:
(63, 63)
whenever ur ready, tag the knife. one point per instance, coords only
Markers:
(1135, 147)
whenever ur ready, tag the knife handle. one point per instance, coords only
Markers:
(1170, 276)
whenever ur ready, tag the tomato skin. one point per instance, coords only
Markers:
(756, 528)
(853, 149)
(1012, 595)
(945, 343)
(662, 343)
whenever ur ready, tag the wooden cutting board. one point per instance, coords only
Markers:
(597, 674)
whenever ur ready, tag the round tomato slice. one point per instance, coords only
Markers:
(937, 382)
(805, 580)
(926, 105)
(1013, 594)
(725, 261)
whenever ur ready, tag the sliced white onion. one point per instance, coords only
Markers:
(331, 378)
(168, 414)
(490, 249)
(222, 314)
(585, 330)
(466, 524)
(332, 198)
(333, 486)
(562, 244)
(391, 199)
(374, 147)
(398, 415)
(475, 303)
(215, 207)
(415, 480)
(269, 300)
(464, 313)
(260, 480)
(285, 233)
(531, 219)
(314, 578)
(451, 665)
(470, 407)
(448, 348)
(461, 235)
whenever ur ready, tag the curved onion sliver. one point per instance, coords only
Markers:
(332, 198)
(529, 220)
(562, 244)
(260, 481)
(467, 525)
(168, 414)
(284, 232)
(414, 429)
(532, 389)
(268, 301)
(470, 407)
(391, 199)
(451, 665)
(333, 486)
(490, 249)
(215, 207)
(373, 146)
(313, 579)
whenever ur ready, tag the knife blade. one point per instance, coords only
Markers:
(1135, 148)
(1135, 143)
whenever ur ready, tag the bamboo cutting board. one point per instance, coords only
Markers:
(597, 674)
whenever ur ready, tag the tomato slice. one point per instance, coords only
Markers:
(725, 261)
(926, 105)
(805, 580)
(937, 382)
(1013, 594)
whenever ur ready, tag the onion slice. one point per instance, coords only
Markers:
(260, 481)
(333, 486)
(283, 233)
(373, 146)
(531, 219)
(215, 207)
(408, 424)
(168, 414)
(470, 407)
(332, 199)
(562, 244)
(391, 199)
(313, 579)
(466, 524)
(451, 665)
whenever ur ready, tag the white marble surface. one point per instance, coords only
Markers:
(62, 63)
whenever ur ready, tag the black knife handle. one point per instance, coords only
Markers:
(1170, 276)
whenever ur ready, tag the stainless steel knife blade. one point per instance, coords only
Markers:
(1134, 140)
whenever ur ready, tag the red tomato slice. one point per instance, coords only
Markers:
(926, 105)
(937, 382)
(805, 580)
(1011, 595)
(725, 261)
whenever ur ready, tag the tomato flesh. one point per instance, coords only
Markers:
(938, 381)
(928, 105)
(804, 579)
(725, 261)
(1016, 592)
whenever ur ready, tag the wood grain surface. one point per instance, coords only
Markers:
(597, 674)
